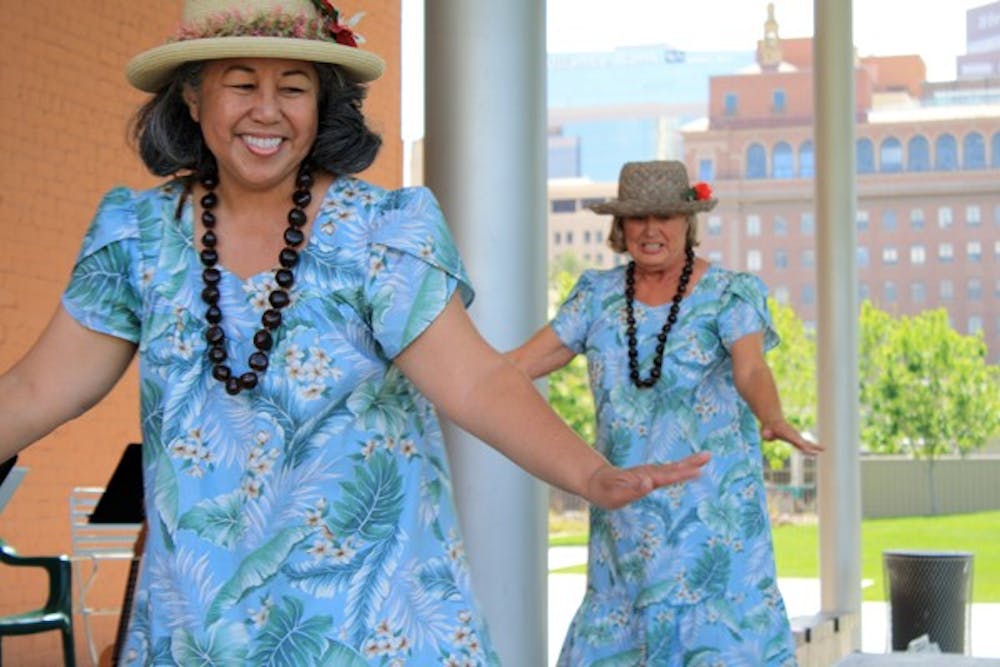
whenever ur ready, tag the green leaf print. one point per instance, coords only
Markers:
(288, 640)
(371, 505)
(341, 655)
(629, 658)
(218, 520)
(701, 657)
(224, 645)
(655, 593)
(102, 276)
(256, 569)
(436, 577)
(710, 574)
(424, 304)
(165, 493)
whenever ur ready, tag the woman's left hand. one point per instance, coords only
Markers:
(610, 487)
(782, 430)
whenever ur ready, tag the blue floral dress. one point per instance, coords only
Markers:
(685, 576)
(309, 521)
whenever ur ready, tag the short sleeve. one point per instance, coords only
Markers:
(413, 268)
(572, 320)
(102, 294)
(744, 311)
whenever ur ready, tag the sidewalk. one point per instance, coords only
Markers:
(802, 598)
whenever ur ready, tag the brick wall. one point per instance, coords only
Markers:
(64, 109)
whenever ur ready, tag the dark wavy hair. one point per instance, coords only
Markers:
(169, 141)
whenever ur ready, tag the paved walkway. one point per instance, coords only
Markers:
(802, 598)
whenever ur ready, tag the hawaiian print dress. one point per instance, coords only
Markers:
(308, 521)
(685, 576)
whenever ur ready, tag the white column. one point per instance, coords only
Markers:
(484, 157)
(837, 331)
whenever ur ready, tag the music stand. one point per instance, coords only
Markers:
(10, 478)
(121, 501)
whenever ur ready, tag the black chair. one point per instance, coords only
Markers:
(57, 614)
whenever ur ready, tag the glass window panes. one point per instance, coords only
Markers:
(807, 224)
(889, 255)
(753, 225)
(714, 225)
(918, 254)
(917, 218)
(973, 215)
(974, 251)
(946, 252)
(563, 205)
(945, 218)
(753, 260)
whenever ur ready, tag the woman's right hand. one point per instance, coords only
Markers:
(610, 487)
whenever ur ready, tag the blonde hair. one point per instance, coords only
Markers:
(616, 237)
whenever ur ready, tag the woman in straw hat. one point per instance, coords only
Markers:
(675, 348)
(294, 326)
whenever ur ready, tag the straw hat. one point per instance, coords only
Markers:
(656, 188)
(308, 30)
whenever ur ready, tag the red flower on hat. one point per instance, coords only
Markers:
(341, 33)
(699, 192)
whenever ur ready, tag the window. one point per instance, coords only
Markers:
(889, 291)
(918, 292)
(945, 217)
(864, 293)
(756, 162)
(807, 224)
(973, 151)
(780, 226)
(714, 225)
(918, 254)
(753, 225)
(975, 324)
(891, 156)
(866, 156)
(808, 294)
(996, 250)
(807, 164)
(556, 238)
(974, 251)
(569, 237)
(862, 256)
(996, 215)
(946, 252)
(586, 236)
(889, 219)
(995, 162)
(590, 201)
(945, 153)
(973, 216)
(996, 289)
(781, 259)
(563, 205)
(861, 220)
(889, 255)
(781, 294)
(599, 236)
(778, 101)
(599, 259)
(706, 170)
(808, 258)
(974, 289)
(784, 163)
(916, 218)
(715, 257)
(753, 260)
(918, 154)
(731, 102)
(946, 290)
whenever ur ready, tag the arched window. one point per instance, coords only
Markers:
(945, 153)
(756, 161)
(973, 151)
(807, 165)
(995, 162)
(783, 161)
(918, 154)
(890, 156)
(866, 156)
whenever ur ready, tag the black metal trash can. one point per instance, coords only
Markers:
(930, 592)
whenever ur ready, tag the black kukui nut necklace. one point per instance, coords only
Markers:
(661, 338)
(278, 297)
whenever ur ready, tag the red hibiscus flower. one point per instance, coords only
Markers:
(702, 191)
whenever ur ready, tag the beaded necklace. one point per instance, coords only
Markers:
(263, 340)
(661, 338)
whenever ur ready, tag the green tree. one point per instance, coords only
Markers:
(569, 388)
(793, 363)
(926, 390)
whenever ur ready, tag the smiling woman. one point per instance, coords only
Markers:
(295, 328)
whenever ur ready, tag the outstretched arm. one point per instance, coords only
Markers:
(541, 354)
(755, 383)
(486, 395)
(68, 370)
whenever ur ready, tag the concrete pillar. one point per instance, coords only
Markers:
(837, 330)
(484, 157)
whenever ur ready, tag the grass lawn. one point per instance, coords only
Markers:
(797, 553)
